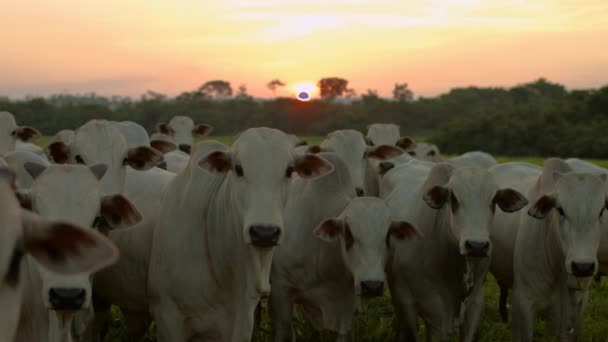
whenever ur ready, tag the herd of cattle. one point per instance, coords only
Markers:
(192, 236)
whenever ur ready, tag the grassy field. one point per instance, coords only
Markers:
(377, 323)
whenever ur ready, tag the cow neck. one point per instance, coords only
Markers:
(60, 326)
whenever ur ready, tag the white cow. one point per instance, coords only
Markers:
(383, 134)
(16, 161)
(350, 145)
(65, 136)
(136, 135)
(428, 152)
(10, 133)
(60, 247)
(333, 255)
(555, 254)
(29, 147)
(440, 278)
(473, 159)
(97, 142)
(71, 193)
(182, 131)
(228, 211)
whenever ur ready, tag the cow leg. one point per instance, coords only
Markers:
(137, 325)
(405, 322)
(281, 311)
(470, 329)
(522, 319)
(502, 303)
(169, 323)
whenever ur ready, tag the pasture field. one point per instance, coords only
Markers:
(376, 324)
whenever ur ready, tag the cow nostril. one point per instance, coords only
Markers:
(264, 235)
(67, 298)
(583, 269)
(359, 192)
(385, 167)
(372, 288)
(185, 148)
(477, 248)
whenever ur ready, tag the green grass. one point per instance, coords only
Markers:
(376, 324)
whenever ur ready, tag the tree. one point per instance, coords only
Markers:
(242, 94)
(216, 89)
(402, 93)
(332, 87)
(274, 84)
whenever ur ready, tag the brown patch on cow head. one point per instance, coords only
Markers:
(437, 197)
(402, 230)
(201, 129)
(509, 200)
(163, 146)
(216, 162)
(118, 212)
(164, 128)
(406, 143)
(383, 152)
(314, 149)
(329, 230)
(312, 166)
(58, 152)
(543, 206)
(143, 158)
(27, 134)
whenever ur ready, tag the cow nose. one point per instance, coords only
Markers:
(359, 192)
(264, 235)
(583, 269)
(477, 248)
(385, 167)
(184, 148)
(372, 288)
(67, 298)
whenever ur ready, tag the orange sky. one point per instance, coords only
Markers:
(128, 47)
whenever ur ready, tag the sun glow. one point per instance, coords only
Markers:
(304, 91)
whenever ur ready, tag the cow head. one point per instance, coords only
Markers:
(58, 246)
(383, 134)
(10, 133)
(350, 145)
(73, 193)
(364, 231)
(470, 198)
(98, 142)
(426, 151)
(575, 209)
(183, 131)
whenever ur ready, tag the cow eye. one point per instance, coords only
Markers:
(602, 212)
(125, 161)
(412, 153)
(14, 132)
(79, 159)
(431, 153)
(238, 169)
(97, 222)
(561, 212)
(289, 171)
(12, 276)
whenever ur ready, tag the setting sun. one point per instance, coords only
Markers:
(305, 91)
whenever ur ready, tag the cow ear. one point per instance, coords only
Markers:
(509, 200)
(164, 128)
(543, 206)
(99, 170)
(314, 149)
(402, 230)
(216, 162)
(65, 248)
(163, 146)
(437, 197)
(25, 199)
(202, 129)
(383, 152)
(58, 152)
(406, 143)
(329, 230)
(118, 212)
(27, 134)
(34, 169)
(143, 158)
(311, 166)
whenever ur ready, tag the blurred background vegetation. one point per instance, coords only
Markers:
(540, 118)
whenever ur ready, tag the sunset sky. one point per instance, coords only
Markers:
(123, 47)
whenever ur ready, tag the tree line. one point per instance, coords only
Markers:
(539, 118)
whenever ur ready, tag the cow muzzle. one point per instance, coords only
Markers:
(67, 298)
(185, 148)
(372, 288)
(478, 249)
(583, 269)
(264, 236)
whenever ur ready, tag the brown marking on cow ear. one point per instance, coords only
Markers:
(27, 134)
(58, 152)
(329, 230)
(118, 212)
(163, 146)
(312, 166)
(164, 128)
(402, 230)
(542, 207)
(509, 200)
(216, 162)
(34, 169)
(314, 149)
(143, 158)
(406, 143)
(383, 152)
(202, 129)
(437, 197)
